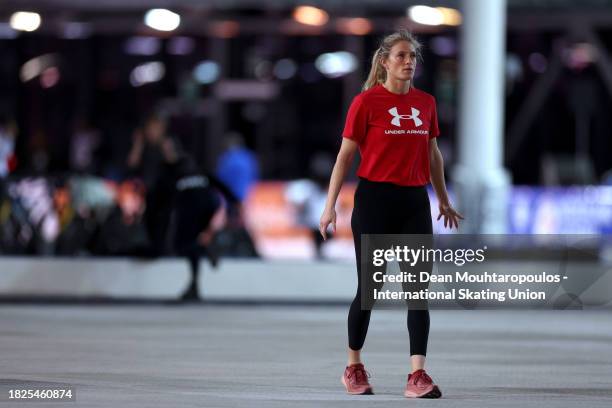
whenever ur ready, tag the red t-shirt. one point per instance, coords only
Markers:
(393, 133)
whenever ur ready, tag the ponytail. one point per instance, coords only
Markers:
(377, 73)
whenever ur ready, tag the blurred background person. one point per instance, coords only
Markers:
(84, 147)
(199, 212)
(8, 134)
(308, 196)
(152, 151)
(237, 167)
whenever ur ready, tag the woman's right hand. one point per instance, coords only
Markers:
(328, 217)
(348, 148)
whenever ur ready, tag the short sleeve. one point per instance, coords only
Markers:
(434, 131)
(356, 124)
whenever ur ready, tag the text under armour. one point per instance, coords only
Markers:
(405, 132)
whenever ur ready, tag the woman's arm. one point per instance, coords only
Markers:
(343, 163)
(436, 169)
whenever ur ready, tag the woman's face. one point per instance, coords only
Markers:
(401, 61)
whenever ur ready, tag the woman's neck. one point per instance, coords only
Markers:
(397, 87)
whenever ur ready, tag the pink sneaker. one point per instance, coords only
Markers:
(420, 385)
(355, 380)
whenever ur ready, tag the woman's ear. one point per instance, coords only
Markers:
(383, 62)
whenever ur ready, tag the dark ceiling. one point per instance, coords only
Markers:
(338, 5)
(262, 16)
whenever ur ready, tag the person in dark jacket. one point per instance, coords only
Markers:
(198, 212)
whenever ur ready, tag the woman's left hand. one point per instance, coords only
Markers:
(451, 216)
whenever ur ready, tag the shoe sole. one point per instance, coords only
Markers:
(368, 391)
(434, 393)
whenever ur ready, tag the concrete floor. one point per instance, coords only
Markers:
(293, 356)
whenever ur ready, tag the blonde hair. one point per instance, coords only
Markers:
(378, 74)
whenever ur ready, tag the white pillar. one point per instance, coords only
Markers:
(481, 183)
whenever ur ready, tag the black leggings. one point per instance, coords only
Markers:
(386, 208)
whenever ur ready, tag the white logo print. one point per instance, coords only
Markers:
(397, 117)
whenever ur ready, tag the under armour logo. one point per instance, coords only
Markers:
(397, 117)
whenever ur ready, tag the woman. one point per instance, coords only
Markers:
(394, 127)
